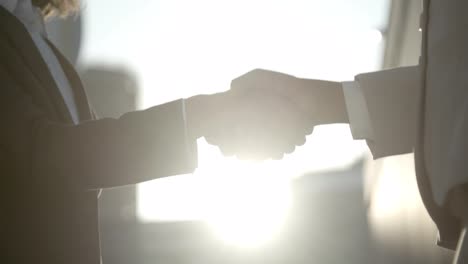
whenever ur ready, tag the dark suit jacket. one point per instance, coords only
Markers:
(442, 147)
(52, 170)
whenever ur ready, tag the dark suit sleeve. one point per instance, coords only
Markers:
(139, 146)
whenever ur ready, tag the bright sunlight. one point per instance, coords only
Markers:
(246, 203)
(199, 47)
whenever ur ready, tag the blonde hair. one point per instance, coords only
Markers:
(61, 8)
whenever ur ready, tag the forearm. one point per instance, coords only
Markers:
(198, 110)
(323, 101)
(137, 147)
(383, 109)
(331, 101)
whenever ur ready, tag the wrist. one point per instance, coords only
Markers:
(200, 111)
(327, 101)
(194, 116)
(333, 103)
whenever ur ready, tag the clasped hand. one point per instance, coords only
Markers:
(264, 115)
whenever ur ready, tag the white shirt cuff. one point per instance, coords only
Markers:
(358, 113)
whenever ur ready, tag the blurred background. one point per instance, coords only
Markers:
(328, 202)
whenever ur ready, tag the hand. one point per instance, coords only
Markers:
(250, 126)
(259, 126)
(264, 115)
(322, 101)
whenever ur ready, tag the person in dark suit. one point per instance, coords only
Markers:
(422, 108)
(55, 156)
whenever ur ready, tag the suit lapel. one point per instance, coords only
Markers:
(75, 82)
(29, 54)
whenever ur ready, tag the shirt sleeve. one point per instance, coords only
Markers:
(382, 109)
(358, 113)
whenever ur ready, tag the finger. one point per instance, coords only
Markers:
(300, 141)
(277, 156)
(291, 126)
(268, 128)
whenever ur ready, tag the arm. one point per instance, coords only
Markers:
(323, 100)
(137, 147)
(381, 107)
(389, 107)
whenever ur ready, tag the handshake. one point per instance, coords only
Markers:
(265, 114)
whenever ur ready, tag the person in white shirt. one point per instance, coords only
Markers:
(423, 108)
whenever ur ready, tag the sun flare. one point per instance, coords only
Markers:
(245, 203)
